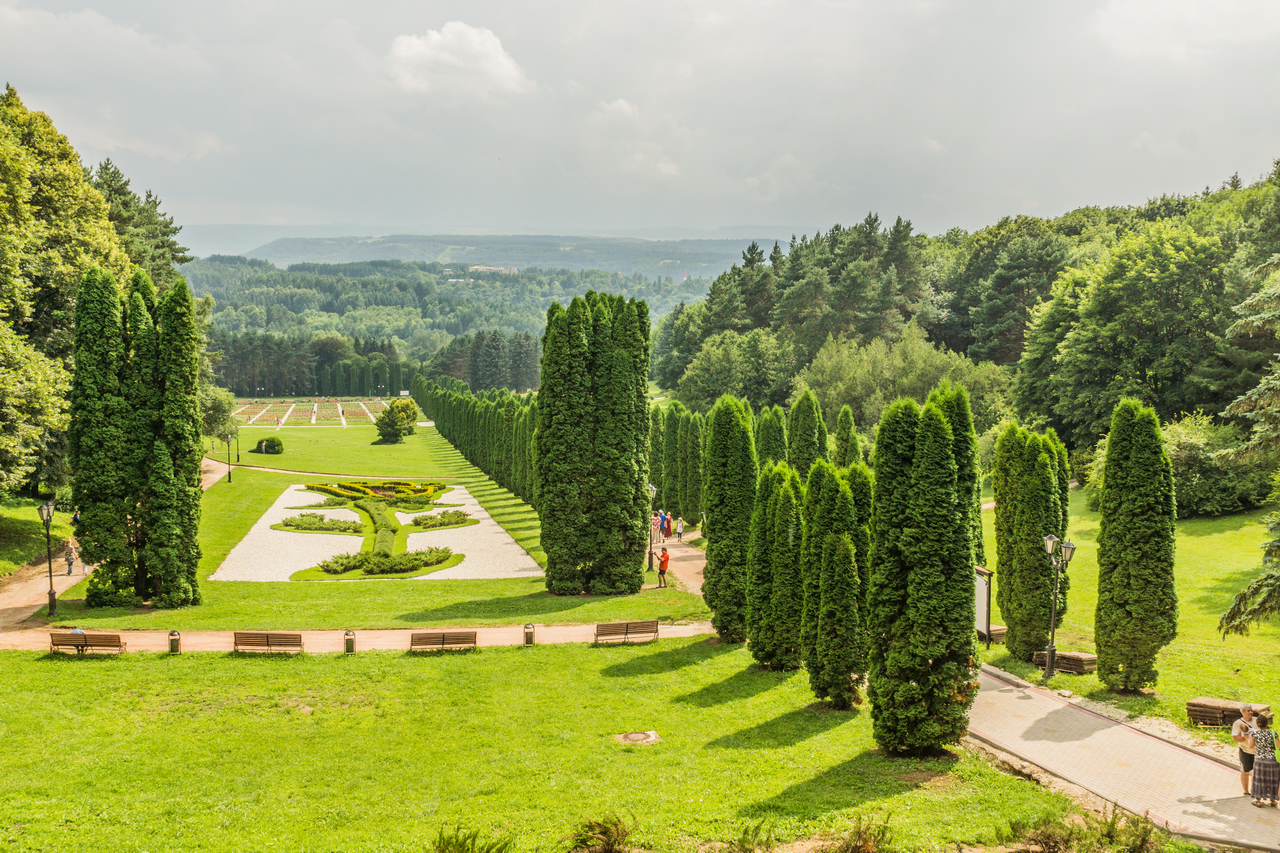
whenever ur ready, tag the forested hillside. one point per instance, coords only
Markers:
(1052, 320)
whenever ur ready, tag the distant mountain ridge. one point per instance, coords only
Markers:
(651, 258)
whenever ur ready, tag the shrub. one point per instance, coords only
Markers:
(396, 421)
(316, 521)
(373, 563)
(445, 519)
(607, 835)
(384, 542)
(271, 444)
(459, 840)
(865, 836)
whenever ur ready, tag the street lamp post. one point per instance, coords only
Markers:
(46, 515)
(1060, 554)
(653, 493)
(229, 458)
(237, 447)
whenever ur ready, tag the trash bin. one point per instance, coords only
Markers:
(528, 634)
(349, 642)
(175, 643)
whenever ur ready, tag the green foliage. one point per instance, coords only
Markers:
(32, 391)
(954, 401)
(820, 491)
(1005, 480)
(754, 366)
(1137, 611)
(787, 602)
(671, 472)
(806, 434)
(1259, 601)
(271, 444)
(869, 376)
(728, 495)
(771, 435)
(382, 562)
(1209, 478)
(760, 618)
(754, 838)
(458, 840)
(316, 521)
(384, 542)
(847, 451)
(448, 518)
(842, 642)
(178, 365)
(148, 236)
(691, 466)
(866, 835)
(657, 435)
(1025, 270)
(162, 553)
(1029, 583)
(396, 421)
(608, 834)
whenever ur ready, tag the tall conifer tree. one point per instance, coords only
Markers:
(771, 440)
(842, 638)
(1005, 476)
(728, 494)
(671, 459)
(657, 435)
(693, 471)
(760, 618)
(787, 603)
(806, 434)
(818, 494)
(180, 430)
(846, 439)
(1031, 575)
(1137, 611)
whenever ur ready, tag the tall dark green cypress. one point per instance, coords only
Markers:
(787, 604)
(888, 682)
(846, 439)
(657, 426)
(819, 495)
(99, 420)
(842, 638)
(1031, 575)
(1137, 612)
(760, 618)
(771, 440)
(693, 471)
(1006, 470)
(162, 552)
(143, 395)
(858, 476)
(728, 494)
(953, 399)
(835, 520)
(671, 478)
(179, 365)
(806, 434)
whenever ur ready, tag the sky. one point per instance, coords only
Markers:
(654, 117)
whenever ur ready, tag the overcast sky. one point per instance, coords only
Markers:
(612, 117)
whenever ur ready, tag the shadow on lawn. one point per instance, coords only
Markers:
(741, 685)
(1215, 596)
(667, 660)
(534, 604)
(788, 730)
(864, 778)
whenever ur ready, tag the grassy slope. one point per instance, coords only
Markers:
(379, 750)
(231, 509)
(1216, 557)
(22, 534)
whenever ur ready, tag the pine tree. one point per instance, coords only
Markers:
(806, 434)
(842, 640)
(760, 620)
(1137, 611)
(563, 442)
(787, 603)
(99, 418)
(890, 571)
(846, 439)
(179, 365)
(728, 493)
(771, 440)
(1031, 576)
(671, 459)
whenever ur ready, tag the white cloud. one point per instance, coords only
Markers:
(1186, 29)
(457, 59)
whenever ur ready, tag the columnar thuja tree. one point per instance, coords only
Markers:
(837, 662)
(760, 620)
(787, 593)
(1137, 611)
(135, 442)
(671, 473)
(690, 467)
(819, 493)
(846, 439)
(592, 445)
(728, 498)
(771, 435)
(657, 426)
(806, 434)
(920, 606)
(953, 399)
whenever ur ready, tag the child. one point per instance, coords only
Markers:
(663, 559)
(680, 529)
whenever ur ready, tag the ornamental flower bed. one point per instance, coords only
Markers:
(328, 413)
(251, 411)
(393, 490)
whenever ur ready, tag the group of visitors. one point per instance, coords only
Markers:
(1260, 774)
(664, 525)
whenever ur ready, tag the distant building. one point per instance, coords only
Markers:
(498, 270)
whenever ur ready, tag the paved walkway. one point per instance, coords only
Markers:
(331, 641)
(1190, 793)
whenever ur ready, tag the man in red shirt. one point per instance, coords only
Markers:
(663, 559)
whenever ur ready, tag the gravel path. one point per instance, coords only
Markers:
(272, 555)
(490, 550)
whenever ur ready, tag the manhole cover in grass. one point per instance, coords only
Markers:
(638, 737)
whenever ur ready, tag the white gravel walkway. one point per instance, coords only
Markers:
(273, 555)
(490, 551)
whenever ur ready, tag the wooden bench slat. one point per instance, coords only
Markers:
(268, 640)
(83, 642)
(442, 640)
(626, 630)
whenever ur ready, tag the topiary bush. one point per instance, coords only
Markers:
(269, 445)
(445, 519)
(309, 521)
(373, 564)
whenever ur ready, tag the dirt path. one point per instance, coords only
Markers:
(686, 564)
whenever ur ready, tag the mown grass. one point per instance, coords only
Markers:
(378, 751)
(22, 534)
(230, 509)
(1216, 557)
(351, 452)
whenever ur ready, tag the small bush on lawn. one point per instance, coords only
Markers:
(316, 521)
(269, 445)
(396, 421)
(373, 563)
(443, 519)
(384, 542)
(607, 835)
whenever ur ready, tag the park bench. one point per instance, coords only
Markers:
(624, 632)
(435, 640)
(267, 641)
(1076, 663)
(1205, 711)
(85, 642)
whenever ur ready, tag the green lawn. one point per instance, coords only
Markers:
(230, 509)
(1215, 558)
(351, 452)
(380, 750)
(22, 537)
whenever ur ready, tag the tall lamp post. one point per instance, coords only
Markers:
(46, 515)
(653, 493)
(1060, 554)
(237, 447)
(229, 458)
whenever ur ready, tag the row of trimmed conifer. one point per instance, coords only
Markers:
(675, 461)
(134, 440)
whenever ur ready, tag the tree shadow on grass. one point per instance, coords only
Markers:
(865, 778)
(1215, 596)
(741, 685)
(523, 606)
(788, 730)
(667, 660)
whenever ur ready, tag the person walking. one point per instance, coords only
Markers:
(666, 534)
(1266, 772)
(663, 559)
(662, 525)
(71, 556)
(1240, 730)
(680, 529)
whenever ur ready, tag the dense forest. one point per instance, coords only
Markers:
(1049, 320)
